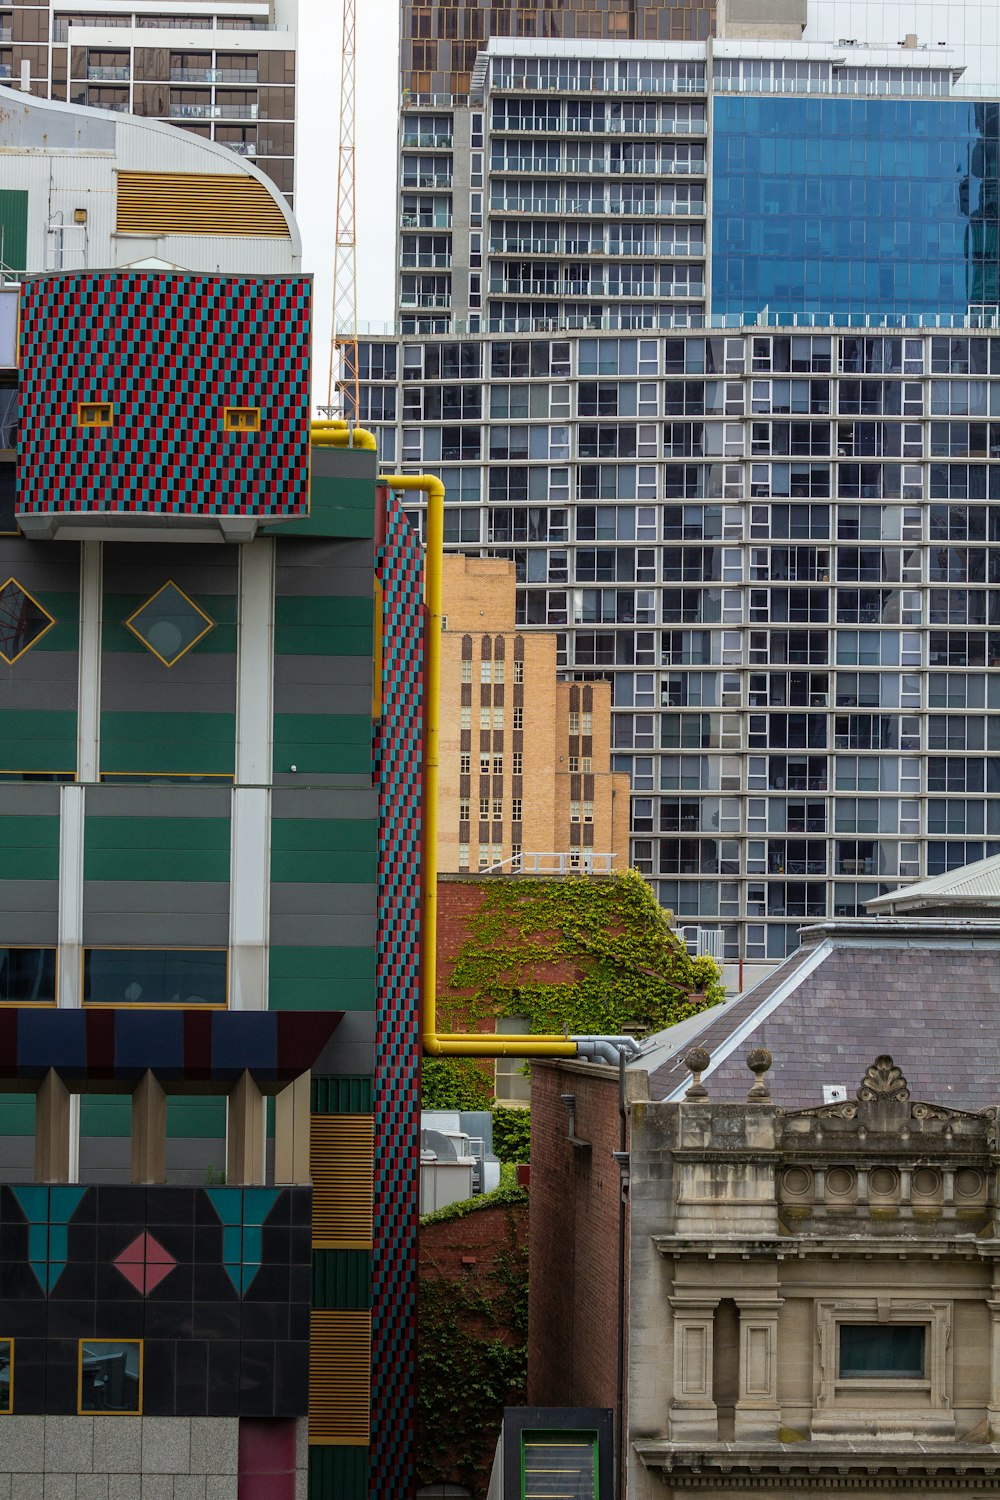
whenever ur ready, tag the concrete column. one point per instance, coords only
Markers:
(291, 1132)
(993, 1409)
(149, 1131)
(693, 1415)
(245, 1134)
(52, 1130)
(758, 1415)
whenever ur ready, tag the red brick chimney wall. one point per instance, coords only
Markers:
(573, 1239)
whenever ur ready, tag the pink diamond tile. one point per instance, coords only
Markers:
(144, 1263)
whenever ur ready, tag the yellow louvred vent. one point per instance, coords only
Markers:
(339, 1377)
(197, 203)
(341, 1160)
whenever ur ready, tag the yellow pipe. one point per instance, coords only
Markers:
(435, 1044)
(342, 437)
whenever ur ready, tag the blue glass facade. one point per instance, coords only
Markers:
(879, 206)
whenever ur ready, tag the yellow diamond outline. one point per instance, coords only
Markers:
(10, 660)
(209, 623)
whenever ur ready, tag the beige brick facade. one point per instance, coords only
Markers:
(525, 758)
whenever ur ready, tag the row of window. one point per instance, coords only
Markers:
(109, 1376)
(719, 355)
(492, 671)
(159, 977)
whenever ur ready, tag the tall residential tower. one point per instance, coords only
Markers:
(224, 71)
(711, 354)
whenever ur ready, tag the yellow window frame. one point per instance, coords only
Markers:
(95, 413)
(241, 418)
(10, 660)
(209, 624)
(83, 1411)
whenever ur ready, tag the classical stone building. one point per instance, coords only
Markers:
(825, 1282)
(810, 1297)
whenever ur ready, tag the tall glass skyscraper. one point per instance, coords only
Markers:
(711, 350)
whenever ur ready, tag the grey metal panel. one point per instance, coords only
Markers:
(323, 685)
(137, 568)
(29, 911)
(17, 1158)
(137, 681)
(105, 1158)
(351, 1049)
(344, 463)
(315, 802)
(40, 566)
(156, 914)
(350, 671)
(110, 800)
(317, 568)
(34, 799)
(327, 931)
(43, 680)
(315, 899)
(190, 1158)
(322, 696)
(320, 779)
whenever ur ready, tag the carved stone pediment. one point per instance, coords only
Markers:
(883, 1107)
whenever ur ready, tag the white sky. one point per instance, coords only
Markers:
(376, 103)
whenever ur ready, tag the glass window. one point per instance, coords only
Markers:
(27, 976)
(155, 976)
(882, 1351)
(563, 1463)
(110, 1375)
(6, 1375)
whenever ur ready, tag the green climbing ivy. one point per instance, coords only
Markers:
(511, 1134)
(454, 1083)
(473, 1361)
(632, 970)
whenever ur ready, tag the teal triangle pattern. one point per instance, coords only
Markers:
(242, 1213)
(48, 1211)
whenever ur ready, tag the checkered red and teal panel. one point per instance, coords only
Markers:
(170, 352)
(397, 1044)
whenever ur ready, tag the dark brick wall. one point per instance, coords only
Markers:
(476, 1255)
(573, 1267)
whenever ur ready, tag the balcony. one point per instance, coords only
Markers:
(108, 75)
(427, 180)
(425, 299)
(429, 142)
(425, 221)
(429, 260)
(213, 75)
(212, 111)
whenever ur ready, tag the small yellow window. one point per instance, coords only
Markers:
(241, 418)
(95, 414)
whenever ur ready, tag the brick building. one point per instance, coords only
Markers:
(525, 758)
(892, 1223)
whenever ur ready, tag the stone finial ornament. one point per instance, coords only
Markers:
(697, 1060)
(759, 1061)
(884, 1080)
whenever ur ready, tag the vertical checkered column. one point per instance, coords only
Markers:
(397, 1045)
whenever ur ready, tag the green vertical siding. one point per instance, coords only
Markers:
(343, 1094)
(338, 1473)
(14, 228)
(342, 1279)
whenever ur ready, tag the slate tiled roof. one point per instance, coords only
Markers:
(929, 997)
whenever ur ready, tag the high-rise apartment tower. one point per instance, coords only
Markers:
(709, 349)
(223, 71)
